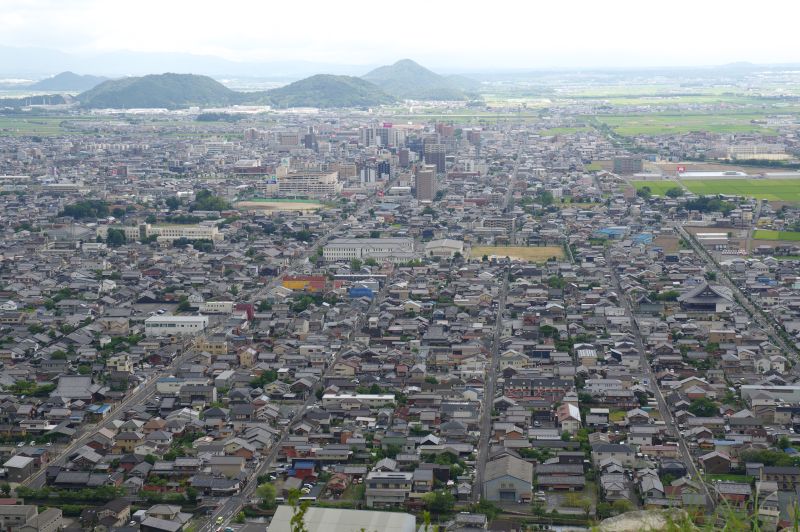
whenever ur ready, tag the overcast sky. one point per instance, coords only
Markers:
(446, 34)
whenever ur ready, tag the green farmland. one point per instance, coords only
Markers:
(787, 190)
(657, 188)
(671, 124)
(765, 234)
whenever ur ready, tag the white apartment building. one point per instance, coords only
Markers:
(175, 325)
(381, 249)
(303, 183)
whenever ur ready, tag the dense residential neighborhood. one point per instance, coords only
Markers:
(212, 325)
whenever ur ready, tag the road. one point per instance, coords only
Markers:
(233, 505)
(664, 410)
(768, 325)
(138, 397)
(489, 392)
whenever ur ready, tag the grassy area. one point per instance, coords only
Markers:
(770, 189)
(593, 167)
(670, 124)
(659, 188)
(768, 234)
(530, 254)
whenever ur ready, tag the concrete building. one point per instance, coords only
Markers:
(166, 233)
(391, 249)
(425, 182)
(435, 154)
(628, 165)
(175, 325)
(309, 184)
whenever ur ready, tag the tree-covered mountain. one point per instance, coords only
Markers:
(325, 90)
(170, 91)
(68, 81)
(175, 91)
(408, 80)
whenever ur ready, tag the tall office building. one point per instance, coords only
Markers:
(425, 182)
(435, 154)
(403, 157)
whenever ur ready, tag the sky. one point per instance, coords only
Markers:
(462, 35)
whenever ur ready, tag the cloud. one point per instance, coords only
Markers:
(456, 34)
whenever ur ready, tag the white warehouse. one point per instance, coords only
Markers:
(175, 325)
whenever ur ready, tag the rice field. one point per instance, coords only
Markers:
(767, 234)
(787, 190)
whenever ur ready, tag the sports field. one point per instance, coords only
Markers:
(280, 205)
(530, 254)
(658, 188)
(766, 234)
(770, 189)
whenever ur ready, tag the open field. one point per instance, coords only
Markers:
(563, 131)
(20, 127)
(670, 124)
(280, 205)
(530, 254)
(770, 189)
(658, 188)
(766, 234)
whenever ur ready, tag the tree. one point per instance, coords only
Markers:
(621, 506)
(674, 192)
(703, 407)
(439, 501)
(783, 443)
(115, 238)
(173, 203)
(266, 492)
(355, 265)
(644, 192)
(299, 509)
(239, 518)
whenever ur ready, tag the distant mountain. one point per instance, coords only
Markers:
(409, 80)
(68, 81)
(325, 90)
(170, 91)
(33, 63)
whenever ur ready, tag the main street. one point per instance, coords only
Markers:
(489, 391)
(768, 325)
(138, 397)
(663, 409)
(233, 505)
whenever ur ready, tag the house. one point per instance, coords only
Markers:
(18, 468)
(622, 453)
(508, 479)
(715, 462)
(388, 488)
